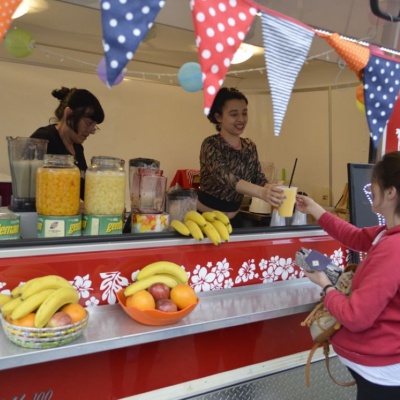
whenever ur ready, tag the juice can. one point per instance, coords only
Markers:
(9, 226)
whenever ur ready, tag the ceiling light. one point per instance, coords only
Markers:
(243, 53)
(21, 10)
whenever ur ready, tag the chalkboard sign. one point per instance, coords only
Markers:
(361, 215)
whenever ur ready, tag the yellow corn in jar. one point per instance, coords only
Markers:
(58, 186)
(105, 184)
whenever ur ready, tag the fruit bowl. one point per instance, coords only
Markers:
(44, 338)
(154, 317)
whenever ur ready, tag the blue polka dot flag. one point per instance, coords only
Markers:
(125, 24)
(381, 79)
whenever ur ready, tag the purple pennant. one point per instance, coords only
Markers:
(125, 25)
(381, 78)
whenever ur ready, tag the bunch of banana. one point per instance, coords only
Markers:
(160, 271)
(44, 296)
(213, 224)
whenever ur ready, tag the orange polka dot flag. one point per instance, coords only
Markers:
(7, 9)
(220, 27)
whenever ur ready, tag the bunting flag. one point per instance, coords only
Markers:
(353, 54)
(286, 46)
(125, 24)
(7, 9)
(381, 78)
(220, 28)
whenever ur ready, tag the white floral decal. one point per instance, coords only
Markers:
(82, 284)
(112, 283)
(246, 272)
(92, 302)
(202, 279)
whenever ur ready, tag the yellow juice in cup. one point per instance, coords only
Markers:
(286, 208)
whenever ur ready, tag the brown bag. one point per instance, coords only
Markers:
(323, 325)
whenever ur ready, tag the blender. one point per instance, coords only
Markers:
(25, 157)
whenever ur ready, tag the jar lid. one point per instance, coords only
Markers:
(144, 162)
(177, 194)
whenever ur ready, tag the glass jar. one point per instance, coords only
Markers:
(58, 186)
(105, 184)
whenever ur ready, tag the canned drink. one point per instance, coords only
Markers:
(54, 226)
(102, 225)
(9, 226)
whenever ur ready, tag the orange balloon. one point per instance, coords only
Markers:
(360, 93)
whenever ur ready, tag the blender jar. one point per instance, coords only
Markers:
(148, 191)
(25, 156)
(134, 165)
(105, 184)
(179, 202)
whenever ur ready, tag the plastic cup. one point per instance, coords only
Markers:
(286, 208)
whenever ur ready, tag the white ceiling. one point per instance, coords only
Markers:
(68, 35)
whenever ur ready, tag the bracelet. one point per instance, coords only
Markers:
(323, 293)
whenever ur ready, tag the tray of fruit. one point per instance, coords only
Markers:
(43, 313)
(160, 295)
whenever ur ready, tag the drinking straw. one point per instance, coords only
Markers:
(294, 168)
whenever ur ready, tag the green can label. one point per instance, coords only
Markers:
(102, 225)
(54, 226)
(9, 226)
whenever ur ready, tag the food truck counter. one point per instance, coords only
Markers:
(252, 301)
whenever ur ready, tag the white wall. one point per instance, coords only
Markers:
(322, 127)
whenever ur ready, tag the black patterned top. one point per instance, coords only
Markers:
(222, 166)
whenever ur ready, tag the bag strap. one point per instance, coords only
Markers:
(326, 354)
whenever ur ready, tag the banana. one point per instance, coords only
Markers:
(4, 298)
(195, 230)
(211, 233)
(17, 291)
(222, 230)
(9, 307)
(31, 304)
(53, 302)
(229, 227)
(147, 282)
(163, 267)
(222, 217)
(180, 227)
(209, 216)
(196, 217)
(45, 282)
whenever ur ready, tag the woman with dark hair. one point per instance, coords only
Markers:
(229, 165)
(76, 117)
(368, 342)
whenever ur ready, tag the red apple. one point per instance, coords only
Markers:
(60, 318)
(159, 290)
(166, 305)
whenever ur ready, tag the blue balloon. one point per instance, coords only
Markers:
(190, 77)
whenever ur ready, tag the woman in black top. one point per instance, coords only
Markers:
(76, 117)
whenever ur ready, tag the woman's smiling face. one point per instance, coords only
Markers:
(234, 117)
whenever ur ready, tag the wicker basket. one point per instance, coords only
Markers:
(43, 338)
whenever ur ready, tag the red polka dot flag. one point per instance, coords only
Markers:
(220, 27)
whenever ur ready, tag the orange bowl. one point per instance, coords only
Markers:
(153, 317)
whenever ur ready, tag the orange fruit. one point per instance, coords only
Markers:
(183, 295)
(27, 322)
(75, 311)
(142, 300)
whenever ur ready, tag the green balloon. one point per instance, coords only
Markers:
(19, 43)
